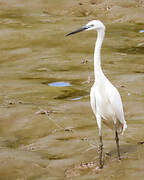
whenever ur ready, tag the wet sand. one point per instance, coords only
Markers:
(49, 132)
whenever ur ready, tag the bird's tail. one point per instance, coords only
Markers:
(121, 127)
(124, 128)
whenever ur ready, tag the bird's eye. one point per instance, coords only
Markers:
(92, 25)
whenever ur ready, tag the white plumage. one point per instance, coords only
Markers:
(104, 97)
(106, 102)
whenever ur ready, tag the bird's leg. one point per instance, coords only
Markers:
(101, 153)
(98, 117)
(117, 142)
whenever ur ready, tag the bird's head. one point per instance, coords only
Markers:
(92, 25)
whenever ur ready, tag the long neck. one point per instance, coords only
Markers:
(97, 52)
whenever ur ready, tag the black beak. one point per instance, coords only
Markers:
(78, 30)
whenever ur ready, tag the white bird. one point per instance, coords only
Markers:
(104, 97)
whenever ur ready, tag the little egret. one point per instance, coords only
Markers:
(105, 99)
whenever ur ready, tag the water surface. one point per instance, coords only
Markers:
(59, 84)
(49, 132)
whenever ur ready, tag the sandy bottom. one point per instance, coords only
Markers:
(48, 131)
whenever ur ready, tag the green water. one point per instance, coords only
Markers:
(46, 132)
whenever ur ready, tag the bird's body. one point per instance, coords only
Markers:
(104, 97)
(106, 101)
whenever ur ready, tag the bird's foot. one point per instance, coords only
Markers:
(101, 165)
(119, 159)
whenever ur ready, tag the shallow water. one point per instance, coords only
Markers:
(141, 31)
(59, 84)
(49, 132)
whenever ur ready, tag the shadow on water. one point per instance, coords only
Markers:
(71, 94)
(132, 50)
